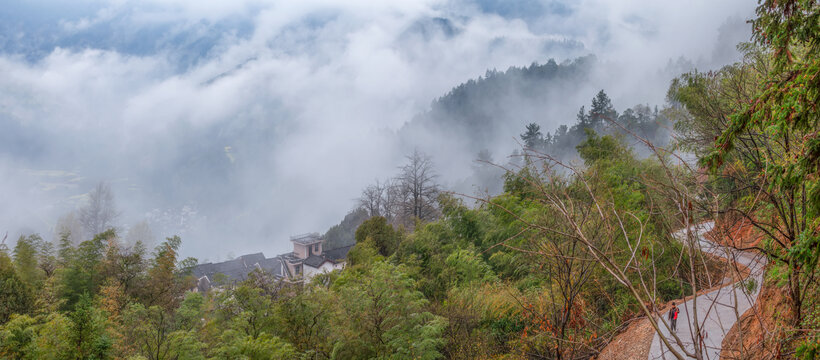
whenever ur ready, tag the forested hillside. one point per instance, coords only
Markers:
(597, 231)
(474, 282)
(484, 110)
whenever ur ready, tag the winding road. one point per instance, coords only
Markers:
(717, 310)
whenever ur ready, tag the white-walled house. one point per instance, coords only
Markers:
(307, 260)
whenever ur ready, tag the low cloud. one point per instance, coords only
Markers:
(267, 118)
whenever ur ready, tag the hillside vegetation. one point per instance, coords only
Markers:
(576, 245)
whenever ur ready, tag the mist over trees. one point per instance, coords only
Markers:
(69, 227)
(601, 118)
(513, 225)
(484, 113)
(343, 234)
(482, 109)
(100, 212)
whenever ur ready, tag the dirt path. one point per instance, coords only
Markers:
(717, 310)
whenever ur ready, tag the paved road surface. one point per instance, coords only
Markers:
(716, 313)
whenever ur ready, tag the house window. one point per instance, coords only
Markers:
(298, 269)
(316, 248)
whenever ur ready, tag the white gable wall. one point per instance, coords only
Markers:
(326, 267)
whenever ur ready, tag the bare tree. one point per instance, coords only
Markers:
(100, 212)
(391, 200)
(371, 199)
(417, 184)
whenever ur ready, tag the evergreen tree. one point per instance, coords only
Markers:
(601, 110)
(532, 138)
(581, 119)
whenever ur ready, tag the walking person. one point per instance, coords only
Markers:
(673, 317)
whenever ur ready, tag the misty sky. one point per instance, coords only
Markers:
(238, 123)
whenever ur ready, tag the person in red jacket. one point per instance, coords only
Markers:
(673, 317)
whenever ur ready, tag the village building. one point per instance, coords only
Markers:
(307, 259)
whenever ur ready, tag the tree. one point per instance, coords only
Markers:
(25, 260)
(100, 213)
(165, 283)
(383, 236)
(371, 199)
(418, 187)
(596, 148)
(532, 138)
(84, 268)
(46, 259)
(392, 200)
(54, 337)
(582, 119)
(264, 347)
(364, 253)
(125, 267)
(619, 216)
(247, 310)
(465, 267)
(304, 321)
(87, 333)
(15, 296)
(601, 110)
(381, 315)
(17, 338)
(190, 312)
(757, 126)
(153, 331)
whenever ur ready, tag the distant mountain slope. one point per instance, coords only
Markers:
(490, 112)
(496, 105)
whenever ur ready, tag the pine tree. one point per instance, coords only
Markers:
(601, 110)
(581, 118)
(532, 138)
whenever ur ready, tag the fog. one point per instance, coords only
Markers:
(238, 123)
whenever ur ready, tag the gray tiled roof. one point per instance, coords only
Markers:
(315, 261)
(272, 265)
(239, 268)
(337, 253)
(252, 259)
